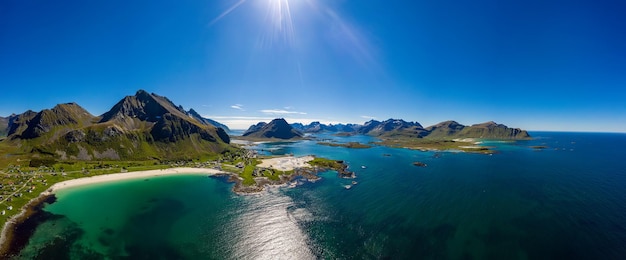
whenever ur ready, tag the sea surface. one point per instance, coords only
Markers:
(567, 201)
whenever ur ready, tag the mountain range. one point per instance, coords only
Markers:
(143, 126)
(148, 126)
(398, 128)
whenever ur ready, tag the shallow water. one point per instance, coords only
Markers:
(566, 201)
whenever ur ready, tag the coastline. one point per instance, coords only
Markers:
(298, 165)
(8, 230)
(127, 176)
(31, 212)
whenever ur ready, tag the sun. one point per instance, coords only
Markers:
(285, 25)
(278, 18)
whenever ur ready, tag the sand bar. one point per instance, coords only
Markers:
(126, 176)
(286, 163)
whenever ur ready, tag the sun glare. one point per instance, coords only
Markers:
(279, 15)
(284, 23)
(278, 19)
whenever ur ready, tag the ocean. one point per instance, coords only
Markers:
(567, 201)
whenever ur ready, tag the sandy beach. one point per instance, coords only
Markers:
(101, 179)
(286, 163)
(127, 175)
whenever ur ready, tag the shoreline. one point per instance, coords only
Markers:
(113, 177)
(8, 230)
(300, 165)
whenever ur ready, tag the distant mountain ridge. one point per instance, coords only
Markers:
(399, 128)
(316, 127)
(277, 128)
(141, 126)
(192, 113)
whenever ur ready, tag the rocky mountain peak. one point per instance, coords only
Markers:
(277, 128)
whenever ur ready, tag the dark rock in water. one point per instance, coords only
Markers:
(386, 155)
(420, 164)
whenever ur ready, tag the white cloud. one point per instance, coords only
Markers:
(368, 117)
(280, 112)
(238, 107)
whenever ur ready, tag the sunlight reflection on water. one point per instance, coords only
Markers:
(268, 229)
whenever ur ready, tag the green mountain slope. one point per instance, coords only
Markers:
(54, 122)
(444, 129)
(139, 127)
(492, 130)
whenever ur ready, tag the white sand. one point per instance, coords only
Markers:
(470, 146)
(106, 178)
(287, 163)
(126, 176)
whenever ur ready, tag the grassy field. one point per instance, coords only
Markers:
(23, 176)
(327, 163)
(21, 184)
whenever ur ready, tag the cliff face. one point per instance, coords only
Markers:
(19, 123)
(277, 128)
(4, 126)
(142, 126)
(164, 120)
(143, 106)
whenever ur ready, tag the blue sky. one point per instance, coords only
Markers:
(538, 65)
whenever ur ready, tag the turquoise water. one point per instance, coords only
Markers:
(564, 202)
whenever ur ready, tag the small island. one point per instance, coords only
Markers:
(419, 164)
(353, 145)
(464, 145)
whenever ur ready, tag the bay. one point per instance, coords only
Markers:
(565, 201)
